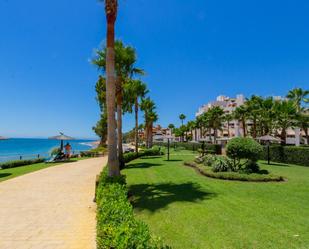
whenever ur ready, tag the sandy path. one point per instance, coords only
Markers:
(51, 208)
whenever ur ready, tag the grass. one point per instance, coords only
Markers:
(189, 210)
(6, 174)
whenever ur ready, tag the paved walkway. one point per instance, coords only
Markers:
(51, 208)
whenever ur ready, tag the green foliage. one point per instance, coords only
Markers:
(55, 151)
(99, 149)
(116, 224)
(234, 176)
(243, 148)
(19, 163)
(208, 148)
(222, 164)
(209, 159)
(251, 167)
(199, 159)
(288, 154)
(154, 151)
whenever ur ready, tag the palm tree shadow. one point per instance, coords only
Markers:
(157, 196)
(142, 165)
(4, 175)
(279, 164)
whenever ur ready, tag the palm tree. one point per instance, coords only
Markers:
(136, 90)
(298, 95)
(228, 118)
(303, 123)
(148, 106)
(285, 111)
(101, 127)
(111, 7)
(171, 127)
(191, 125)
(254, 111)
(199, 124)
(152, 118)
(266, 124)
(240, 114)
(204, 123)
(182, 117)
(125, 59)
(216, 117)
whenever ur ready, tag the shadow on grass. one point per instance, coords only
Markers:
(158, 196)
(4, 175)
(277, 164)
(150, 157)
(142, 165)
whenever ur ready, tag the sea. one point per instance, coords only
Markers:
(30, 148)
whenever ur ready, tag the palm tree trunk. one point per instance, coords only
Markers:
(136, 126)
(228, 128)
(244, 127)
(283, 137)
(150, 135)
(119, 124)
(146, 133)
(113, 163)
(215, 136)
(307, 135)
(254, 128)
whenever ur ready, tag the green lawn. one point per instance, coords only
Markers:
(188, 210)
(6, 174)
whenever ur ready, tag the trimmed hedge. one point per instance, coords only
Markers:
(116, 224)
(19, 163)
(154, 151)
(288, 154)
(234, 176)
(209, 148)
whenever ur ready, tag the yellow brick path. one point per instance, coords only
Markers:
(51, 208)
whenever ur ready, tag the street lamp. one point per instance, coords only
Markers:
(168, 146)
(268, 139)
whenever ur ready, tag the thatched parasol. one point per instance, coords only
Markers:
(61, 137)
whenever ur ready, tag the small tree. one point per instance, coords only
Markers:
(245, 152)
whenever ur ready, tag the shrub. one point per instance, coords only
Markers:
(208, 160)
(222, 164)
(116, 224)
(287, 154)
(243, 148)
(55, 151)
(99, 150)
(208, 148)
(234, 176)
(154, 151)
(19, 163)
(199, 159)
(252, 167)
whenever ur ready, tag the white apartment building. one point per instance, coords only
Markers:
(228, 105)
(233, 128)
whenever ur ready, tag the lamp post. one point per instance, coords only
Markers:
(268, 156)
(268, 139)
(168, 147)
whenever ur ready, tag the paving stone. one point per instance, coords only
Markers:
(51, 208)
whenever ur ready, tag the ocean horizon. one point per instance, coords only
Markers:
(30, 148)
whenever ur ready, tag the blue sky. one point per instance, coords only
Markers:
(192, 51)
